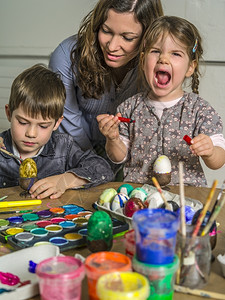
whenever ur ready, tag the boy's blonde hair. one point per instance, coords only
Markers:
(181, 29)
(39, 91)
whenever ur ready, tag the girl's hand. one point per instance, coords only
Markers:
(202, 146)
(108, 125)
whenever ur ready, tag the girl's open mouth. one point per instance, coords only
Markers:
(162, 77)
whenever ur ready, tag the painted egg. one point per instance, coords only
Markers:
(118, 202)
(125, 188)
(106, 197)
(162, 165)
(139, 193)
(100, 232)
(28, 168)
(133, 205)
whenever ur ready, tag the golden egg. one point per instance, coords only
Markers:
(28, 168)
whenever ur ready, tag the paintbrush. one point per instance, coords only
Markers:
(206, 294)
(182, 200)
(11, 154)
(204, 210)
(156, 184)
(217, 200)
(214, 215)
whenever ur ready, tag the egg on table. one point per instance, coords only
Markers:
(162, 170)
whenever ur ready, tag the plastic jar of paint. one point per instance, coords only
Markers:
(123, 286)
(100, 263)
(155, 235)
(161, 278)
(60, 278)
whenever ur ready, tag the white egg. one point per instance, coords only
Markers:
(162, 165)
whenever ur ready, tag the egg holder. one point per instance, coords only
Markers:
(195, 204)
(80, 229)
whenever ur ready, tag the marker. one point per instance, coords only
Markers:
(2, 198)
(187, 139)
(19, 203)
(15, 211)
(126, 120)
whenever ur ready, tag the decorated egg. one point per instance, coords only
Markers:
(118, 202)
(100, 232)
(162, 170)
(173, 206)
(125, 188)
(139, 193)
(133, 205)
(106, 197)
(28, 168)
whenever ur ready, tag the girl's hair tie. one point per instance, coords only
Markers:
(195, 46)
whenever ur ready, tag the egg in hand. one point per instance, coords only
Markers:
(162, 170)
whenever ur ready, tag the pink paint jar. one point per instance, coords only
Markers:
(60, 278)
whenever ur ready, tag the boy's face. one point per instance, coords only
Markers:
(30, 134)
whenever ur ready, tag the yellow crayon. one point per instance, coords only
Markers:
(19, 203)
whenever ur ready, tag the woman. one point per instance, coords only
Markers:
(98, 66)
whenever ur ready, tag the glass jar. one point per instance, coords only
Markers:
(195, 259)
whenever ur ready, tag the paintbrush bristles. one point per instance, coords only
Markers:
(156, 184)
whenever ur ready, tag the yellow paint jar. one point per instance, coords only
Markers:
(123, 286)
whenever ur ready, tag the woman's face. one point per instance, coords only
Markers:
(119, 38)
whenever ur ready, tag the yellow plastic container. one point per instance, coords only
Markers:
(123, 286)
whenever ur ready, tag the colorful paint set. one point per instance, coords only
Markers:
(64, 226)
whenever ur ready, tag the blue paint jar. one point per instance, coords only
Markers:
(155, 235)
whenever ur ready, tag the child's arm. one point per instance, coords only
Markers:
(55, 186)
(115, 148)
(213, 156)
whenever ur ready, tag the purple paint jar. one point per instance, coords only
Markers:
(155, 235)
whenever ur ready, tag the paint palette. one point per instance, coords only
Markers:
(64, 226)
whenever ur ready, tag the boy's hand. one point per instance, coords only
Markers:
(108, 125)
(55, 186)
(202, 146)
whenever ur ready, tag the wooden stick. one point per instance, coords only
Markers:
(156, 184)
(182, 200)
(201, 293)
(11, 154)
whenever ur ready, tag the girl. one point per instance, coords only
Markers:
(170, 54)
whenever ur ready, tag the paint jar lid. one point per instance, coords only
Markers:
(123, 286)
(155, 271)
(61, 267)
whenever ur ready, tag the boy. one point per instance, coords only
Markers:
(35, 111)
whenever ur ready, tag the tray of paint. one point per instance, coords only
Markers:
(65, 227)
(154, 194)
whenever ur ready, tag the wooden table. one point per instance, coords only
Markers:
(85, 198)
